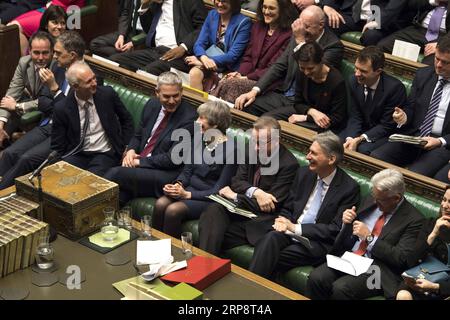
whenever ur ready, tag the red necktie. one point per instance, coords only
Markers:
(151, 144)
(375, 232)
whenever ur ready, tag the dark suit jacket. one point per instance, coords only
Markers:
(256, 61)
(419, 101)
(391, 10)
(114, 117)
(343, 193)
(393, 246)
(437, 249)
(286, 67)
(188, 17)
(182, 118)
(331, 99)
(422, 7)
(126, 9)
(375, 120)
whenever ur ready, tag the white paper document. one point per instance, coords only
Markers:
(105, 60)
(406, 50)
(214, 98)
(157, 270)
(150, 252)
(349, 263)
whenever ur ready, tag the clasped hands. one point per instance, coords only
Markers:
(176, 191)
(283, 224)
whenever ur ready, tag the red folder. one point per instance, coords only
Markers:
(201, 272)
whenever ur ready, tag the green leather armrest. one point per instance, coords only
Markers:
(88, 10)
(353, 37)
(30, 118)
(138, 39)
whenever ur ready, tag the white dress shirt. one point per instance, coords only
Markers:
(165, 29)
(427, 19)
(96, 139)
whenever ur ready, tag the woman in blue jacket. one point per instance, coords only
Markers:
(220, 44)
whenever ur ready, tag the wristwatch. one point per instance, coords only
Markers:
(369, 238)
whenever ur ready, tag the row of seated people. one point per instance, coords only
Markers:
(313, 96)
(91, 128)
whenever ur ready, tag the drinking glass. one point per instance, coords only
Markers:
(146, 226)
(186, 243)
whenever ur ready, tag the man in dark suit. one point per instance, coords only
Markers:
(10, 9)
(385, 229)
(430, 23)
(31, 150)
(310, 26)
(26, 85)
(373, 97)
(130, 24)
(357, 15)
(91, 126)
(260, 192)
(148, 164)
(426, 115)
(318, 196)
(174, 28)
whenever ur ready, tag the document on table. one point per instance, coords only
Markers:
(349, 263)
(154, 251)
(406, 50)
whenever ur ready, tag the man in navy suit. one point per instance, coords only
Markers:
(174, 28)
(373, 97)
(28, 152)
(318, 196)
(91, 127)
(385, 229)
(427, 114)
(148, 165)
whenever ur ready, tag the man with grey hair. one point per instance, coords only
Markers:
(91, 126)
(384, 229)
(147, 165)
(319, 194)
(310, 26)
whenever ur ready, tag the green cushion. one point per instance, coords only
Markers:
(240, 256)
(353, 37)
(296, 278)
(30, 118)
(142, 207)
(139, 39)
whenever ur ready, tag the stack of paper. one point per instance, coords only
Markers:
(154, 252)
(231, 206)
(349, 263)
(407, 139)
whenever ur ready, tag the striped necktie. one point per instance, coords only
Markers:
(427, 124)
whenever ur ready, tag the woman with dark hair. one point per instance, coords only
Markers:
(220, 44)
(185, 199)
(433, 240)
(29, 22)
(53, 21)
(269, 38)
(320, 94)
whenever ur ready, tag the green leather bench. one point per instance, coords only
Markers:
(296, 278)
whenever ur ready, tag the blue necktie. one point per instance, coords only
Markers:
(311, 214)
(427, 124)
(435, 24)
(64, 86)
(152, 31)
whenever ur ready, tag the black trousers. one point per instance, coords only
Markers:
(104, 45)
(148, 59)
(270, 101)
(418, 160)
(140, 182)
(277, 251)
(442, 174)
(220, 230)
(326, 283)
(96, 162)
(25, 155)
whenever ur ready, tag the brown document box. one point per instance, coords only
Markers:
(73, 198)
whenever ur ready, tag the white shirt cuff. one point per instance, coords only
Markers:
(299, 46)
(297, 230)
(434, 2)
(250, 191)
(257, 89)
(444, 143)
(3, 119)
(184, 47)
(366, 137)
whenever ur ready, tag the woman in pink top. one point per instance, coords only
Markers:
(29, 22)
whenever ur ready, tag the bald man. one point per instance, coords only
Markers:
(91, 127)
(310, 26)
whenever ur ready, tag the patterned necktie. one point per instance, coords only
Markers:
(151, 144)
(435, 24)
(87, 112)
(313, 210)
(427, 124)
(375, 232)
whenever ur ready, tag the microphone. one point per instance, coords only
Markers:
(52, 156)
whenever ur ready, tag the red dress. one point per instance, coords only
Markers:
(30, 21)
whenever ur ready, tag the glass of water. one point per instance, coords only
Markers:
(186, 243)
(146, 226)
(44, 252)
